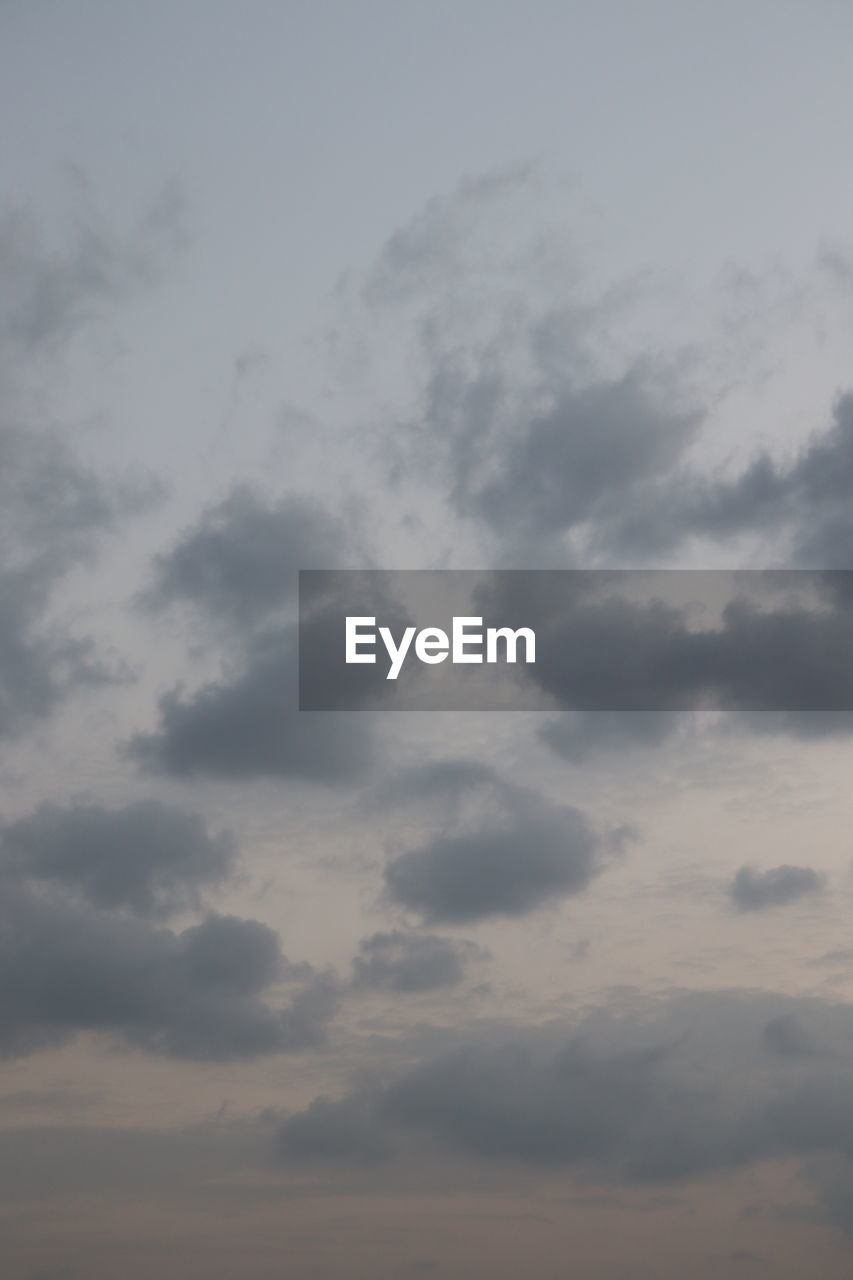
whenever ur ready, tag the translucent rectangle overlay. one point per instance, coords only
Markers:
(589, 640)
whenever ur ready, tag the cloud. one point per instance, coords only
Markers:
(79, 954)
(408, 963)
(753, 890)
(592, 443)
(668, 1091)
(53, 506)
(347, 1130)
(505, 851)
(558, 434)
(53, 513)
(540, 456)
(435, 247)
(241, 956)
(148, 857)
(538, 423)
(567, 1105)
(52, 292)
(618, 642)
(197, 994)
(54, 509)
(805, 500)
(250, 727)
(240, 560)
(786, 1035)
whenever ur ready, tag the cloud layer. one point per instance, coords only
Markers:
(504, 852)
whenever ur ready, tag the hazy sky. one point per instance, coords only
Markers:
(416, 285)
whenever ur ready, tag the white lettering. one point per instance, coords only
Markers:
(354, 639)
(396, 653)
(511, 638)
(432, 645)
(461, 638)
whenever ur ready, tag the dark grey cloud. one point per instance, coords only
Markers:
(241, 956)
(788, 1036)
(248, 724)
(753, 890)
(504, 851)
(348, 1129)
(537, 462)
(240, 560)
(821, 482)
(408, 963)
(555, 449)
(803, 501)
(507, 868)
(592, 443)
(663, 1093)
(622, 643)
(519, 1103)
(250, 727)
(149, 857)
(53, 506)
(77, 953)
(67, 968)
(533, 429)
(39, 666)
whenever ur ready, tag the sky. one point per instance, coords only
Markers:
(373, 285)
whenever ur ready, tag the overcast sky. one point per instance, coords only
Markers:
(418, 285)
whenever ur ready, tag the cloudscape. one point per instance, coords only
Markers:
(295, 294)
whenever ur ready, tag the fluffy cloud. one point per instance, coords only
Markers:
(349, 1129)
(68, 968)
(616, 642)
(148, 857)
(500, 850)
(559, 449)
(753, 890)
(240, 560)
(590, 444)
(249, 726)
(54, 509)
(409, 963)
(681, 1089)
(78, 952)
(248, 723)
(805, 500)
